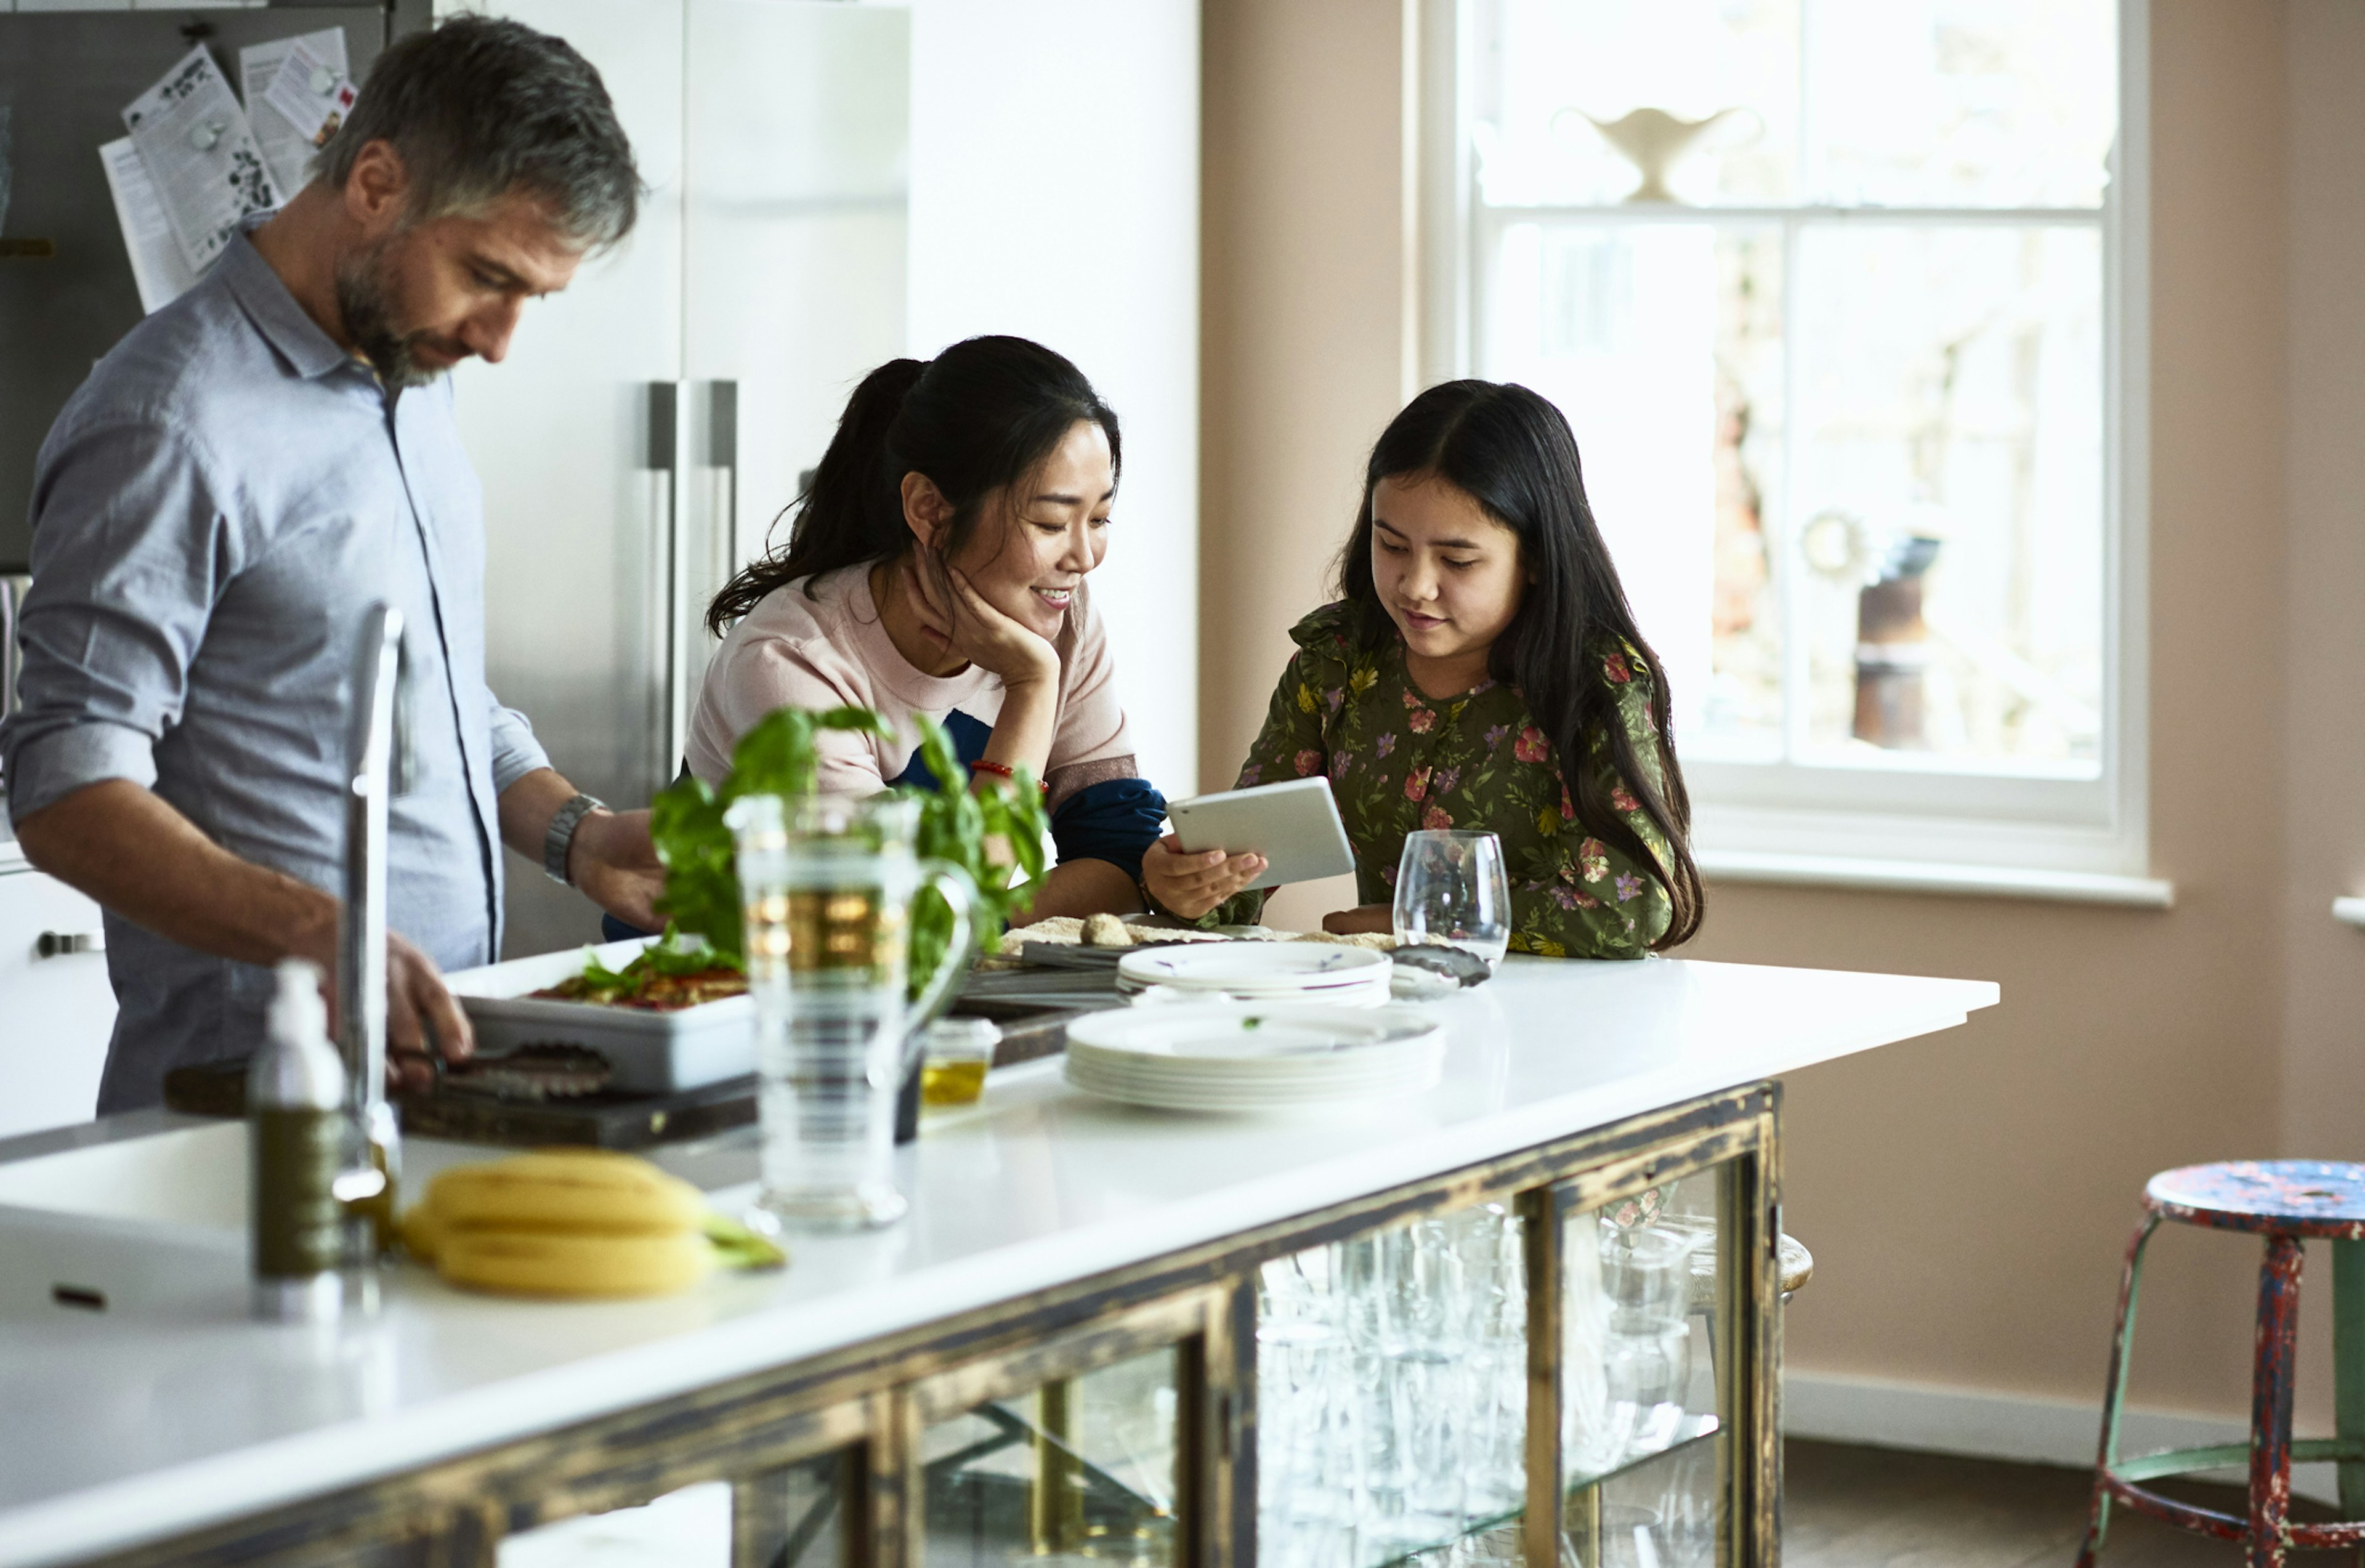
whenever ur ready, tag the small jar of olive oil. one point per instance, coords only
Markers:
(297, 1137)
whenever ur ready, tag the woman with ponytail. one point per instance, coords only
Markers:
(1481, 670)
(936, 568)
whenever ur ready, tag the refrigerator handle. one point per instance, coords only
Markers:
(723, 456)
(669, 621)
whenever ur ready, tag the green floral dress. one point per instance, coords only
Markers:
(1398, 761)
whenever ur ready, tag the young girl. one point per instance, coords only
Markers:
(937, 569)
(1481, 671)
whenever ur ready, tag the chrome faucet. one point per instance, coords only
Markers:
(378, 768)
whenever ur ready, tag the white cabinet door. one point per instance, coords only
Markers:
(799, 151)
(56, 1007)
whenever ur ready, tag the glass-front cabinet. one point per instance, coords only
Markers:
(1566, 1356)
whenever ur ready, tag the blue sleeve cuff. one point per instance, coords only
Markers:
(51, 764)
(1116, 820)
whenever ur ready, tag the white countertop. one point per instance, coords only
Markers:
(116, 1430)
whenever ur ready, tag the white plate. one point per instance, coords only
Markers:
(1260, 966)
(1247, 1034)
(1412, 1074)
(1174, 1097)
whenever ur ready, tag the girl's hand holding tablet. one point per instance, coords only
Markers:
(1189, 885)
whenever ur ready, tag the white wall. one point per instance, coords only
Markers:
(1055, 195)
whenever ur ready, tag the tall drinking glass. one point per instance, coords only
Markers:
(1451, 891)
(825, 887)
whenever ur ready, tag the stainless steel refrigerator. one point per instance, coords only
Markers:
(650, 422)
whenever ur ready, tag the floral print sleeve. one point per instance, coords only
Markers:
(1398, 760)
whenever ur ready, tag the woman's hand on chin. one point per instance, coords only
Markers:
(1189, 885)
(1364, 918)
(954, 613)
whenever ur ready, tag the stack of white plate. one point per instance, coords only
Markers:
(1261, 972)
(1236, 1057)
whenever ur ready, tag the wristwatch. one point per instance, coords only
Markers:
(561, 836)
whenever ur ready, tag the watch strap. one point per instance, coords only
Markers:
(561, 836)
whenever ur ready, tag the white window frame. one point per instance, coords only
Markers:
(1907, 822)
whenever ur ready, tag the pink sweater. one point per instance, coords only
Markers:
(832, 649)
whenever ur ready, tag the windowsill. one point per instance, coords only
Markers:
(2349, 911)
(1938, 877)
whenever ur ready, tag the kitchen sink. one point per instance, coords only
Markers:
(183, 1176)
(133, 1226)
(157, 1222)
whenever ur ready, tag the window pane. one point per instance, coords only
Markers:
(1949, 480)
(1391, 1397)
(1544, 66)
(1959, 103)
(1081, 1470)
(1663, 343)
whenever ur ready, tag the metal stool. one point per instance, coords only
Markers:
(2285, 1201)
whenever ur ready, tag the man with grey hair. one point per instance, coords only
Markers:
(217, 506)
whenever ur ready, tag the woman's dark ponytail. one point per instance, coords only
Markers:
(978, 418)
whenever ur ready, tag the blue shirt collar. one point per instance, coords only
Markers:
(275, 312)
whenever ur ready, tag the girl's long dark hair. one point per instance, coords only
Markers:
(978, 418)
(1511, 450)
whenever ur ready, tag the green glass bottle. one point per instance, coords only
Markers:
(298, 1133)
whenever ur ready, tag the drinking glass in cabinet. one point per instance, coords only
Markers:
(1080, 1470)
(1638, 1407)
(1392, 1395)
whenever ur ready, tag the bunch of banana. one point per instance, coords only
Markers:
(574, 1222)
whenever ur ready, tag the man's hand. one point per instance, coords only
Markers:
(612, 860)
(422, 1015)
(1190, 885)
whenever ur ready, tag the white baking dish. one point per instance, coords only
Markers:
(651, 1052)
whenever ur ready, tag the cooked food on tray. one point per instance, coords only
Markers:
(659, 980)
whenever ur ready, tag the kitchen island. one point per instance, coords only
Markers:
(1053, 1241)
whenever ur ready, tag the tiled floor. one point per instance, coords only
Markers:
(1853, 1507)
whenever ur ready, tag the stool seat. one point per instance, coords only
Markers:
(2284, 1202)
(2298, 1197)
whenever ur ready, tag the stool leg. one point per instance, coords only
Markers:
(2271, 1402)
(2114, 1391)
(2349, 1367)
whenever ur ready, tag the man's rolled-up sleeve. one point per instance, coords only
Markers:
(131, 551)
(516, 753)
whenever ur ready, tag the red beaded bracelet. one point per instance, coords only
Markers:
(981, 766)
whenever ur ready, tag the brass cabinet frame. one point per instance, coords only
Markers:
(871, 1402)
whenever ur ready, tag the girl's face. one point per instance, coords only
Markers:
(1028, 551)
(1447, 575)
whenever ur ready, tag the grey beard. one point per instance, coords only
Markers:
(362, 302)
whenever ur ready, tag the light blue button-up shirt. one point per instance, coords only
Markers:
(213, 511)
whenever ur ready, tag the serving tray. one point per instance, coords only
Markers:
(651, 1052)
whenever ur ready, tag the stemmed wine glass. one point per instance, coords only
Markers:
(1451, 890)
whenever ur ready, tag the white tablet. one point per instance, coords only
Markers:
(1295, 826)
